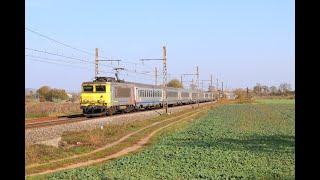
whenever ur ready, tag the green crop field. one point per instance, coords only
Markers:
(234, 141)
(277, 101)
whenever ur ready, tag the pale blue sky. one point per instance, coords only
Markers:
(238, 42)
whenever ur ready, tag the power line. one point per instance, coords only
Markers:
(77, 50)
(56, 54)
(53, 59)
(69, 45)
(64, 56)
(62, 64)
(133, 71)
(79, 67)
(59, 42)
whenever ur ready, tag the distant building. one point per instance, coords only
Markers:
(230, 95)
(69, 96)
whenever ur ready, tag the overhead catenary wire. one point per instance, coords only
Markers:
(82, 60)
(53, 59)
(56, 41)
(63, 64)
(92, 54)
(72, 66)
(70, 45)
(59, 42)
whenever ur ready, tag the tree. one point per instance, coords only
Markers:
(57, 94)
(257, 89)
(265, 89)
(48, 94)
(284, 88)
(273, 90)
(211, 88)
(241, 93)
(175, 83)
(43, 93)
(193, 86)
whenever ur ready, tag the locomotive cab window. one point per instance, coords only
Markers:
(87, 88)
(100, 88)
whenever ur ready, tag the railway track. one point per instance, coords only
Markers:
(69, 119)
(64, 120)
(73, 119)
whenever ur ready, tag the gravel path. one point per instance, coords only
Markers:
(51, 135)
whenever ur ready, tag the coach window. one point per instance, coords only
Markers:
(100, 88)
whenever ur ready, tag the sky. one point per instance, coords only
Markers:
(240, 43)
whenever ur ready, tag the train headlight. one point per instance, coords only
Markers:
(86, 101)
(100, 101)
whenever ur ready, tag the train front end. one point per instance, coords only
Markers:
(95, 98)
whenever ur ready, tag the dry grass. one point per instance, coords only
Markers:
(85, 141)
(38, 109)
(123, 129)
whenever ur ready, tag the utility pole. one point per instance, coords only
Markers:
(197, 78)
(185, 75)
(222, 89)
(155, 75)
(202, 83)
(97, 68)
(165, 102)
(211, 83)
(97, 62)
(218, 96)
(165, 78)
(211, 89)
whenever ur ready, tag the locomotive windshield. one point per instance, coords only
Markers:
(100, 88)
(88, 88)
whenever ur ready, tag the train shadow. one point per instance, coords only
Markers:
(255, 143)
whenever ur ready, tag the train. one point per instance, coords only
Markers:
(107, 96)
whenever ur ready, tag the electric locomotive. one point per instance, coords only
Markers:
(107, 96)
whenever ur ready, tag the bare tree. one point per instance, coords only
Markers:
(265, 89)
(257, 89)
(211, 88)
(273, 90)
(193, 86)
(284, 88)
